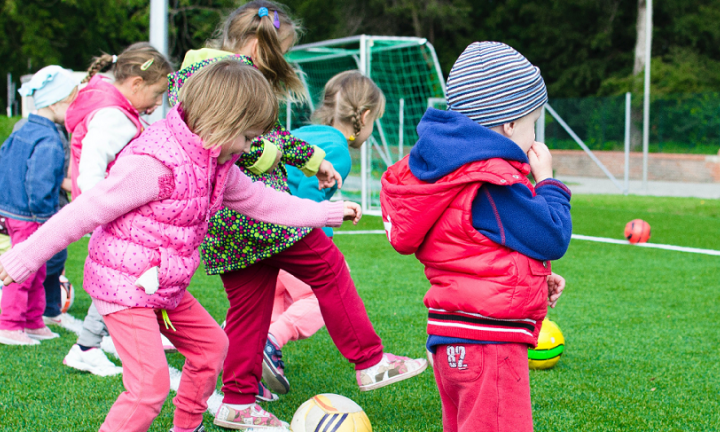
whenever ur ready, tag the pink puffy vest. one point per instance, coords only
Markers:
(98, 94)
(479, 290)
(164, 233)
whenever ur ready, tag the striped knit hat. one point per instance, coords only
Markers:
(493, 84)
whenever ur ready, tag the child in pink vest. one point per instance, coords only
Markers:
(104, 118)
(149, 216)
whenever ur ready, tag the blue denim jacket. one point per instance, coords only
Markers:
(31, 171)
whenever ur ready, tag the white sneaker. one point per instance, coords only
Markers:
(390, 370)
(253, 417)
(61, 320)
(41, 334)
(16, 337)
(92, 360)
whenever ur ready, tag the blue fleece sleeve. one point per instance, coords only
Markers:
(539, 227)
(45, 175)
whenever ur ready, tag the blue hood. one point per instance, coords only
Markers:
(449, 140)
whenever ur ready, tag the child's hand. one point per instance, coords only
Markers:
(327, 176)
(353, 212)
(556, 285)
(5, 277)
(540, 161)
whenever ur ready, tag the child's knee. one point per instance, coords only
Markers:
(217, 351)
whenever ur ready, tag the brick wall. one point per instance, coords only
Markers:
(661, 166)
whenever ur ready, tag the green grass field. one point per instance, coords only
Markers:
(640, 327)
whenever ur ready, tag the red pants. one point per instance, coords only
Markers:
(136, 335)
(484, 388)
(296, 312)
(23, 303)
(316, 261)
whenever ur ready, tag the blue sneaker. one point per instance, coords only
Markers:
(265, 395)
(274, 368)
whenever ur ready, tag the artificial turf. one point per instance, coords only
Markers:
(640, 329)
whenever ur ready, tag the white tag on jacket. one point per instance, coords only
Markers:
(149, 281)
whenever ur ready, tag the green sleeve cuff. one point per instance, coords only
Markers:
(266, 159)
(313, 165)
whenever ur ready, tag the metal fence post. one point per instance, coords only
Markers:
(628, 124)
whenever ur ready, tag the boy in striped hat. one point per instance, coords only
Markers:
(462, 202)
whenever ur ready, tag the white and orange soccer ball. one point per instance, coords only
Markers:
(330, 412)
(67, 294)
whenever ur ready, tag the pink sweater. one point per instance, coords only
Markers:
(137, 180)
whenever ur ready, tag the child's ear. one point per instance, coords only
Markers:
(509, 129)
(365, 117)
(136, 83)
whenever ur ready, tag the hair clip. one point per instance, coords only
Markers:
(276, 21)
(145, 66)
(114, 58)
(263, 12)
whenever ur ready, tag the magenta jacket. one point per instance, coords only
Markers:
(153, 211)
(98, 94)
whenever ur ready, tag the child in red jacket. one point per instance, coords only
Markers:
(462, 202)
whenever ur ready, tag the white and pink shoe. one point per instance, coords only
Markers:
(16, 337)
(390, 370)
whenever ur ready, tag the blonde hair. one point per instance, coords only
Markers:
(244, 24)
(139, 59)
(346, 97)
(225, 99)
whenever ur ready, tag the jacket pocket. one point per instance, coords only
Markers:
(540, 268)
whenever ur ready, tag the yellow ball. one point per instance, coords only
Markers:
(551, 345)
(330, 412)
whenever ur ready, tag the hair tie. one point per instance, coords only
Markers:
(276, 21)
(145, 66)
(114, 58)
(351, 138)
(263, 12)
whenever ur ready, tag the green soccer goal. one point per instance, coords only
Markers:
(407, 71)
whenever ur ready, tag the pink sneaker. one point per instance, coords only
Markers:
(265, 395)
(43, 333)
(390, 370)
(253, 417)
(16, 337)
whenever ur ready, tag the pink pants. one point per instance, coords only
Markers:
(484, 387)
(136, 335)
(316, 261)
(296, 312)
(23, 304)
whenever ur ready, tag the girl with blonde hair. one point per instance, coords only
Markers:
(148, 218)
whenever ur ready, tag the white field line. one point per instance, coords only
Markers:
(594, 239)
(75, 325)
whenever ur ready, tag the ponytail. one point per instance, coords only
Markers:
(139, 59)
(271, 31)
(346, 97)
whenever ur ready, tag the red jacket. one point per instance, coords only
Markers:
(479, 290)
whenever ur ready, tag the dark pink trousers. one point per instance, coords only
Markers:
(316, 261)
(484, 388)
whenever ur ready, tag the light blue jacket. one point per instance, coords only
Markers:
(334, 143)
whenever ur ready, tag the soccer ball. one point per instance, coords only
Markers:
(550, 347)
(330, 412)
(637, 231)
(67, 294)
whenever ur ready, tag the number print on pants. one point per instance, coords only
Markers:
(456, 357)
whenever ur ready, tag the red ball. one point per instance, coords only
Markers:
(637, 231)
